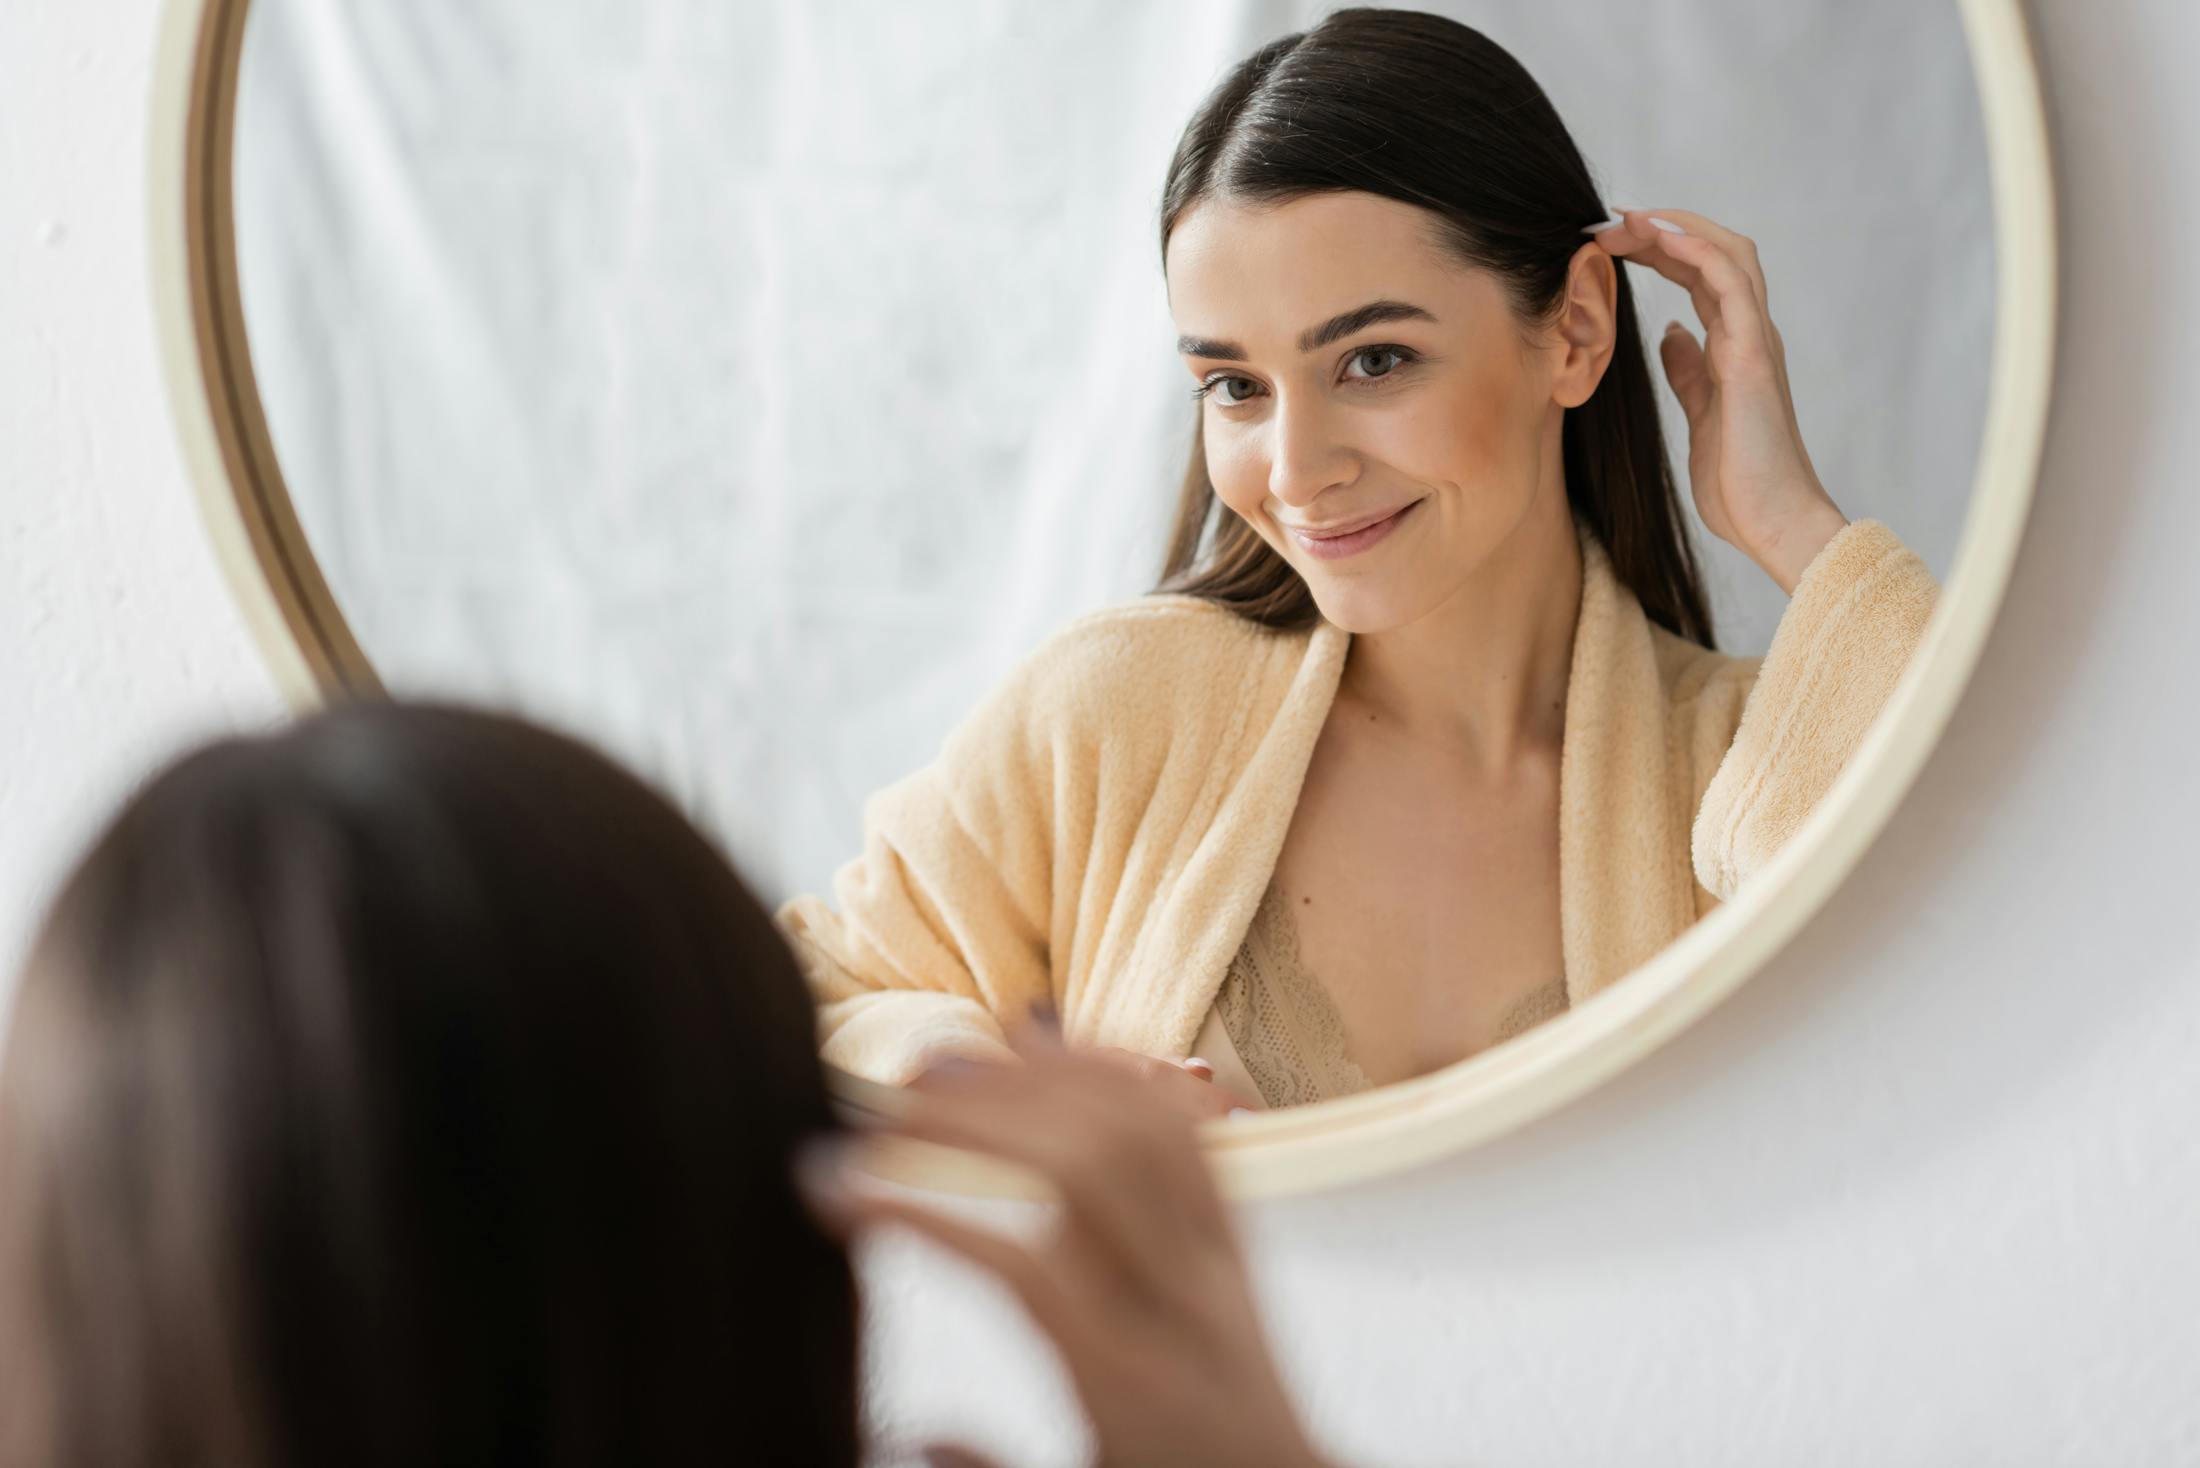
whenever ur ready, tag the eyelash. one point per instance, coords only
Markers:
(1406, 357)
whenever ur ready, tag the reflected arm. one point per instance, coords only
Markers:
(1857, 615)
(940, 928)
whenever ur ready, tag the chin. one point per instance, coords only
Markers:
(1364, 609)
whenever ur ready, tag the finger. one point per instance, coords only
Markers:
(1085, 1086)
(1043, 1047)
(1134, 1186)
(1617, 236)
(1051, 1297)
(1686, 369)
(1127, 1165)
(1645, 246)
(1741, 316)
(1644, 227)
(1201, 1100)
(1673, 265)
(944, 1072)
(1101, 1145)
(1738, 247)
(1189, 1091)
(1098, 1074)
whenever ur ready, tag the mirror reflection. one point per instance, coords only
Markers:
(1305, 543)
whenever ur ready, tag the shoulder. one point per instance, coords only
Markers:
(1159, 647)
(1146, 671)
(1163, 619)
(1705, 690)
(1689, 670)
(1866, 595)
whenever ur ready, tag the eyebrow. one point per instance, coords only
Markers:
(1313, 339)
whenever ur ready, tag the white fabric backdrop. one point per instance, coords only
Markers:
(1921, 1194)
(748, 386)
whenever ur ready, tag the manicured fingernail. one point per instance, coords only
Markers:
(1241, 1111)
(1667, 225)
(1671, 327)
(1192, 1060)
(1615, 222)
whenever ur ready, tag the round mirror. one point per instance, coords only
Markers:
(1457, 695)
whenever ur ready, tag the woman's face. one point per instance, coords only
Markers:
(1357, 376)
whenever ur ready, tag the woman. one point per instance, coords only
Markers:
(414, 1086)
(1423, 738)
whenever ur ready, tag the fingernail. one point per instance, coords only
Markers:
(1192, 1060)
(1614, 222)
(1241, 1111)
(1671, 327)
(1667, 225)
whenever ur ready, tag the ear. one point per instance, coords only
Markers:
(1588, 326)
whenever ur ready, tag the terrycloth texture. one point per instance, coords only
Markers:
(1099, 830)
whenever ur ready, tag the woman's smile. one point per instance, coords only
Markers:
(1351, 542)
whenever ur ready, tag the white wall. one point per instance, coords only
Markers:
(1925, 1192)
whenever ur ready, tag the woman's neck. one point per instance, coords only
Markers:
(1484, 674)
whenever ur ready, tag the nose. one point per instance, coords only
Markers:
(1305, 453)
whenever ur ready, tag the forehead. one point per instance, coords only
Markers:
(1231, 267)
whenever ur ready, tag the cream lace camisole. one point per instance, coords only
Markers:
(1287, 1031)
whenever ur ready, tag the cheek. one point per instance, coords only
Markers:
(1459, 437)
(1473, 434)
(1238, 471)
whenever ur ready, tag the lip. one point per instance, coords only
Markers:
(1352, 537)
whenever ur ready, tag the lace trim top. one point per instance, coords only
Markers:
(1286, 1028)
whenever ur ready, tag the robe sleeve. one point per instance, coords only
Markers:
(1856, 616)
(939, 928)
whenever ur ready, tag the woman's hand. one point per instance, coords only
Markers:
(1140, 1283)
(1188, 1086)
(1753, 480)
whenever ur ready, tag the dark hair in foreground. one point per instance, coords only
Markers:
(1430, 112)
(412, 1085)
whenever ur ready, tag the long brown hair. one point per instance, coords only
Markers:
(412, 1085)
(1425, 110)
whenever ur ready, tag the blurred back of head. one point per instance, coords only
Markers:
(412, 1085)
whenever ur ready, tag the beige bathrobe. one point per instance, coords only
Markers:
(1098, 831)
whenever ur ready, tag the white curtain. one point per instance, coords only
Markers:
(748, 386)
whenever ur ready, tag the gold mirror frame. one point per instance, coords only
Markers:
(314, 657)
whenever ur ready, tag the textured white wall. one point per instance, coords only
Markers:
(117, 637)
(1923, 1193)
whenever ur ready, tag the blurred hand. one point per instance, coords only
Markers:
(1140, 1283)
(1187, 1085)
